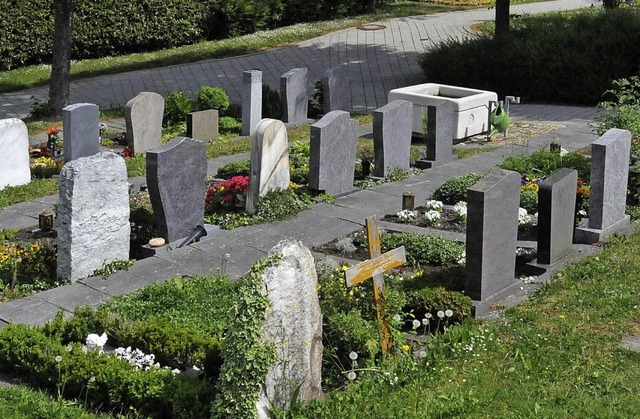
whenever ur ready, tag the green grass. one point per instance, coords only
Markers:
(466, 152)
(37, 188)
(556, 355)
(20, 402)
(37, 75)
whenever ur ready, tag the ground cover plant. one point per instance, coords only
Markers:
(554, 57)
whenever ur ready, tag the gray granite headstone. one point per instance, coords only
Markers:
(336, 87)
(294, 97)
(294, 326)
(333, 153)
(143, 116)
(251, 101)
(440, 131)
(608, 195)
(93, 214)
(492, 229)
(269, 161)
(81, 133)
(14, 153)
(392, 137)
(556, 215)
(203, 125)
(176, 179)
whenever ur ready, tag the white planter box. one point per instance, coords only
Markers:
(471, 106)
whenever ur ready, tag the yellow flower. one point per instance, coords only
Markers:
(405, 347)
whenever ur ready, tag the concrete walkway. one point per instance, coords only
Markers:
(378, 61)
(232, 252)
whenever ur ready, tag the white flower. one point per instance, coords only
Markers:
(416, 324)
(448, 313)
(524, 218)
(460, 210)
(425, 321)
(434, 205)
(440, 314)
(432, 216)
(353, 355)
(351, 375)
(420, 353)
(58, 359)
(406, 216)
(175, 371)
(397, 317)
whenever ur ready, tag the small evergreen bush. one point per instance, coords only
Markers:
(176, 107)
(213, 98)
(454, 190)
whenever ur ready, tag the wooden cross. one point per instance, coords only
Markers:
(375, 267)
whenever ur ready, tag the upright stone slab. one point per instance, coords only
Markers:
(14, 153)
(333, 153)
(203, 125)
(143, 116)
(392, 137)
(251, 101)
(294, 326)
(440, 131)
(269, 161)
(93, 214)
(294, 97)
(176, 179)
(608, 195)
(556, 215)
(81, 133)
(336, 87)
(492, 229)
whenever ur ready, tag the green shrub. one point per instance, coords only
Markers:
(279, 204)
(229, 124)
(543, 163)
(555, 57)
(176, 107)
(621, 109)
(213, 98)
(454, 190)
(529, 200)
(422, 249)
(235, 168)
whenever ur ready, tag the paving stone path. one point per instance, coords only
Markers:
(378, 61)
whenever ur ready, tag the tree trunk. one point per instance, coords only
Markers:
(61, 61)
(502, 18)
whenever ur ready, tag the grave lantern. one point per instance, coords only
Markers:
(45, 221)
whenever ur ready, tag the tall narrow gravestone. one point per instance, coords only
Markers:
(333, 153)
(81, 133)
(143, 116)
(439, 131)
(492, 229)
(608, 195)
(176, 179)
(294, 97)
(251, 101)
(392, 137)
(93, 214)
(269, 161)
(556, 215)
(14, 153)
(336, 87)
(294, 326)
(203, 125)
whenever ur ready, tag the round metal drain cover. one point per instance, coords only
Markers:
(371, 27)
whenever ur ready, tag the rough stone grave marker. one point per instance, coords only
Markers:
(14, 153)
(556, 215)
(440, 130)
(294, 325)
(93, 214)
(203, 125)
(143, 116)
(176, 179)
(392, 137)
(375, 268)
(269, 161)
(251, 101)
(492, 229)
(294, 97)
(81, 133)
(608, 195)
(336, 87)
(333, 153)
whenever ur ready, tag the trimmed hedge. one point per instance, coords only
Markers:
(118, 27)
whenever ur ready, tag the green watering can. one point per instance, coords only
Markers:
(499, 120)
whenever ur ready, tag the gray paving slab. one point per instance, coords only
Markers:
(238, 253)
(28, 310)
(74, 295)
(118, 283)
(192, 261)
